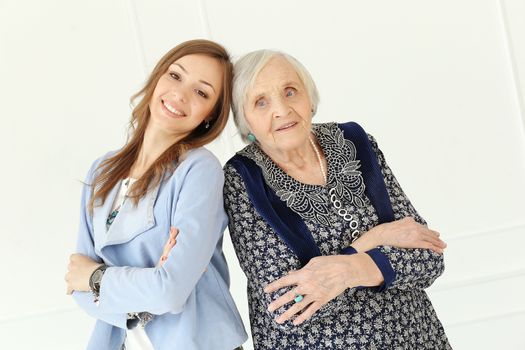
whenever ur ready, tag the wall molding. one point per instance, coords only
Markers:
(465, 235)
(30, 315)
(205, 22)
(139, 41)
(466, 282)
(507, 41)
(468, 322)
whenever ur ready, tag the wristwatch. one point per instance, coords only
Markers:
(95, 279)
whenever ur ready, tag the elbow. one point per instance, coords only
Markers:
(172, 300)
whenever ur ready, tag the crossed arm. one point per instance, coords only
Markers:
(402, 254)
(198, 214)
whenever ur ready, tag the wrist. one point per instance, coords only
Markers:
(95, 280)
(377, 236)
(362, 271)
(369, 273)
(351, 270)
(369, 240)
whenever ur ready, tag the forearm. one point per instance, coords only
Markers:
(369, 240)
(361, 271)
(414, 268)
(86, 301)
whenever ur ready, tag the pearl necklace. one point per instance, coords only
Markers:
(318, 154)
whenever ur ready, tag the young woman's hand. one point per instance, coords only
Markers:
(80, 268)
(404, 233)
(169, 245)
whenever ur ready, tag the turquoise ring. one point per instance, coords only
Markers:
(298, 298)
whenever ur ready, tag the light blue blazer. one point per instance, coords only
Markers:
(189, 294)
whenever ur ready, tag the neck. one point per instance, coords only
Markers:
(301, 163)
(155, 142)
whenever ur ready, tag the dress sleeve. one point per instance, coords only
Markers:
(199, 215)
(404, 268)
(85, 246)
(261, 257)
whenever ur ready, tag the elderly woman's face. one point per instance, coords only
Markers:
(278, 109)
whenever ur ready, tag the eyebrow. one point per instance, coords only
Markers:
(202, 81)
(291, 82)
(258, 95)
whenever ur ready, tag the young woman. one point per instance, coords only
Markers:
(146, 293)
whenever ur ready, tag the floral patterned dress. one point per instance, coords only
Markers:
(399, 317)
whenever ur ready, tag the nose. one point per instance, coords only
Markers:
(179, 93)
(281, 108)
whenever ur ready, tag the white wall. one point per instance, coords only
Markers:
(441, 84)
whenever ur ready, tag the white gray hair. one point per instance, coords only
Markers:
(246, 70)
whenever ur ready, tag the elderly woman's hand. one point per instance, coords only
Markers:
(321, 280)
(404, 233)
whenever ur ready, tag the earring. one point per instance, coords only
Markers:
(251, 137)
(207, 125)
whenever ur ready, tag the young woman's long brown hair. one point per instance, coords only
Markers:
(118, 166)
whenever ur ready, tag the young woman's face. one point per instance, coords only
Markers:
(185, 95)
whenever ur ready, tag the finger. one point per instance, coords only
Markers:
(163, 259)
(289, 280)
(435, 233)
(431, 246)
(174, 232)
(283, 300)
(294, 309)
(307, 313)
(168, 246)
(69, 290)
(430, 237)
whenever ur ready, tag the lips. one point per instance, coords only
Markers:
(287, 126)
(173, 110)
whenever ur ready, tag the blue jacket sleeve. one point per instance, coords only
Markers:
(85, 246)
(199, 215)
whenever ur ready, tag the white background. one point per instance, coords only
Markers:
(440, 84)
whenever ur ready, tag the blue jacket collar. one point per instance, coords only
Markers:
(138, 219)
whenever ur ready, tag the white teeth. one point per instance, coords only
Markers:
(172, 110)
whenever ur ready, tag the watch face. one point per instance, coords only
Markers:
(97, 276)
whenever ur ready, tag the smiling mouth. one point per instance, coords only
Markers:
(287, 126)
(172, 109)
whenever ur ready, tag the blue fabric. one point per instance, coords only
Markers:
(375, 187)
(382, 262)
(189, 295)
(288, 225)
(348, 250)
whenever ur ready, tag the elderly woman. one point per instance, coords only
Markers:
(335, 254)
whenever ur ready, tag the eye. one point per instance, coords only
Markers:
(174, 75)
(260, 103)
(201, 93)
(290, 92)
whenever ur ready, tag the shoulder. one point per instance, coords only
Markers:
(198, 166)
(95, 165)
(353, 129)
(199, 159)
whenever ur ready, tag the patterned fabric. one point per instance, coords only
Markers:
(401, 317)
(308, 200)
(112, 217)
